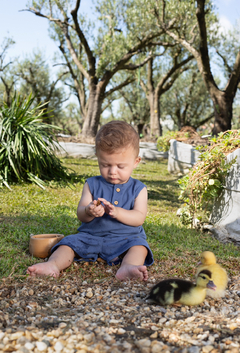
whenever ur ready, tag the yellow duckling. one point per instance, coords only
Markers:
(176, 290)
(219, 275)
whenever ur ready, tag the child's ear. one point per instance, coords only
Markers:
(137, 161)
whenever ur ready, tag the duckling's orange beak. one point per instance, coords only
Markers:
(211, 285)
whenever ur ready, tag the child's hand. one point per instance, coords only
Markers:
(95, 209)
(109, 208)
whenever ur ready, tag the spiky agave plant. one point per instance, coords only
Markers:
(27, 145)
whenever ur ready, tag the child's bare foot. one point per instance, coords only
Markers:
(43, 269)
(132, 272)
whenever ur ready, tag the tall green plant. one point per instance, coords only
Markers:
(27, 145)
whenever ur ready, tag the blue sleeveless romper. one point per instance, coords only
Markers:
(105, 237)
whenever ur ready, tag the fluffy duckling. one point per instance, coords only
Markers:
(219, 275)
(176, 290)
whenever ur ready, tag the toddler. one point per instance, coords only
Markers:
(112, 209)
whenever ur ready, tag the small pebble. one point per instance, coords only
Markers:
(41, 346)
(58, 347)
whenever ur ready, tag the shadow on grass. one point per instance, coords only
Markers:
(158, 184)
(163, 190)
(79, 163)
(75, 178)
(167, 241)
(16, 230)
(15, 236)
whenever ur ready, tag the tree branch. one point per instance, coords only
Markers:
(91, 58)
(50, 18)
(107, 105)
(203, 47)
(134, 67)
(4, 67)
(127, 101)
(136, 49)
(229, 69)
(79, 87)
(73, 53)
(53, 85)
(177, 65)
(64, 27)
(234, 77)
(123, 84)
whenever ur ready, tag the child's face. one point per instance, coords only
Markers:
(117, 168)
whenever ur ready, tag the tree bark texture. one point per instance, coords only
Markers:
(155, 126)
(91, 122)
(222, 111)
(153, 99)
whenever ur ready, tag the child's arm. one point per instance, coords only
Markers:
(134, 217)
(88, 208)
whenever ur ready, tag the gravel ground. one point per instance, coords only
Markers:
(70, 314)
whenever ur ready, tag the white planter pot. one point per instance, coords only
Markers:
(147, 150)
(226, 211)
(181, 157)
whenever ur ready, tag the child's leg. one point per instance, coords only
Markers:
(59, 260)
(132, 265)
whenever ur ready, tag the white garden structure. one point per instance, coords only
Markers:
(225, 217)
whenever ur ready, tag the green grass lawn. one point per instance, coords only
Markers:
(28, 209)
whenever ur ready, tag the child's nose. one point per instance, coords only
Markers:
(113, 170)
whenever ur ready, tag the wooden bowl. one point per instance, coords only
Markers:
(40, 245)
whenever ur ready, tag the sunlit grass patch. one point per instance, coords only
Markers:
(28, 209)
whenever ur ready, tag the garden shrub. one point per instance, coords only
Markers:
(27, 145)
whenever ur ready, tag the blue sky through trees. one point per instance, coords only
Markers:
(31, 32)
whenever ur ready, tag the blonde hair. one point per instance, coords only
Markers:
(116, 135)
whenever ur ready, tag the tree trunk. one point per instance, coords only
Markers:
(90, 125)
(140, 128)
(222, 111)
(155, 126)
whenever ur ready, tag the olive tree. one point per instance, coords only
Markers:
(162, 70)
(8, 80)
(123, 30)
(198, 42)
(187, 102)
(35, 76)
